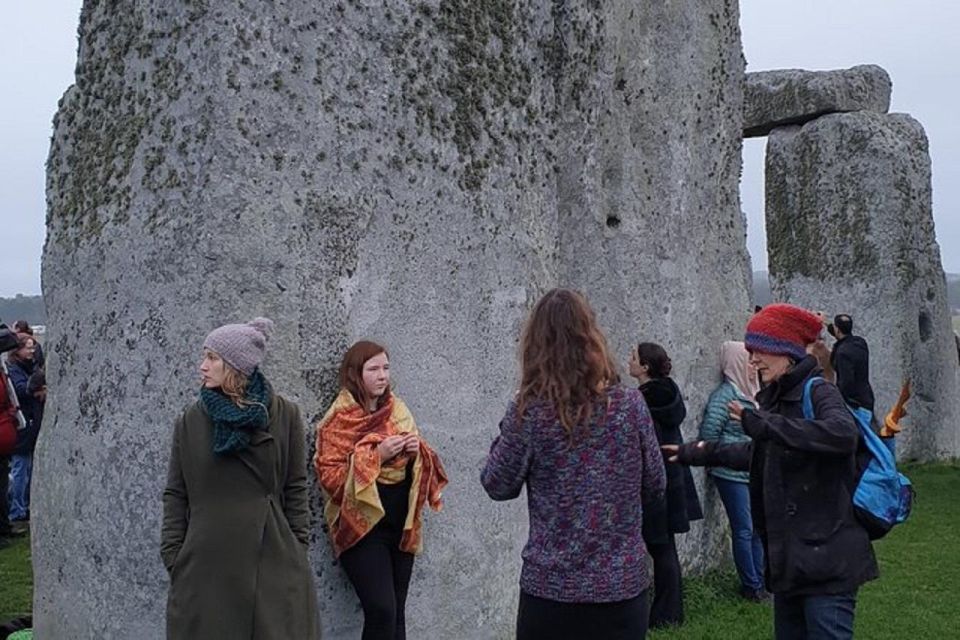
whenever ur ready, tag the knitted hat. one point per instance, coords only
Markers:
(782, 329)
(241, 346)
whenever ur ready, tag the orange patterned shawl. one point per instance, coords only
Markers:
(348, 468)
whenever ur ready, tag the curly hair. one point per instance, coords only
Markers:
(564, 358)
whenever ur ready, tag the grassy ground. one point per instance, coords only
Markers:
(16, 580)
(915, 597)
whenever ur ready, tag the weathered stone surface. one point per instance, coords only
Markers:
(414, 173)
(850, 230)
(794, 96)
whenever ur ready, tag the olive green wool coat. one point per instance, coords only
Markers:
(235, 533)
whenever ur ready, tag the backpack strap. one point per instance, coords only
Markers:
(808, 397)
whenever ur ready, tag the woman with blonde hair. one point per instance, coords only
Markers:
(585, 448)
(740, 383)
(236, 519)
(377, 473)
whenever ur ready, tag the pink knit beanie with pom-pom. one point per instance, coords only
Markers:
(242, 346)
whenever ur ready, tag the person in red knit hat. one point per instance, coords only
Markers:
(801, 476)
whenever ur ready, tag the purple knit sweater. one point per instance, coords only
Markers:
(584, 500)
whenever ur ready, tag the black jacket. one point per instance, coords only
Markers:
(680, 504)
(802, 477)
(850, 359)
(31, 408)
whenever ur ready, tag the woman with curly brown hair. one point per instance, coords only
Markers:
(585, 448)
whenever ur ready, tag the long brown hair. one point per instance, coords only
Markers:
(351, 371)
(564, 358)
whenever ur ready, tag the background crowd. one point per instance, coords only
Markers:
(23, 392)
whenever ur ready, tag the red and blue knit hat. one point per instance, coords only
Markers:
(782, 329)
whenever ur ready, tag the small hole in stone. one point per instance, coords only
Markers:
(613, 222)
(926, 326)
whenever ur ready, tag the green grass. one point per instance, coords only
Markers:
(16, 580)
(915, 596)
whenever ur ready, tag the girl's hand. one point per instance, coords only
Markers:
(411, 444)
(390, 448)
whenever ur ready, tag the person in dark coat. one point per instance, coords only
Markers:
(20, 366)
(850, 361)
(651, 366)
(236, 516)
(802, 474)
(9, 423)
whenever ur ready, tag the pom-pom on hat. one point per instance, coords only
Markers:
(242, 346)
(782, 329)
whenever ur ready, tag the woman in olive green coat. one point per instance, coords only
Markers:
(235, 509)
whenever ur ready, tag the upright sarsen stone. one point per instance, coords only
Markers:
(417, 173)
(850, 230)
(648, 191)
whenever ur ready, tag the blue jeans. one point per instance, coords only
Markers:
(814, 617)
(21, 470)
(747, 546)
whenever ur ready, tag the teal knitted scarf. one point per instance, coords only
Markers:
(232, 424)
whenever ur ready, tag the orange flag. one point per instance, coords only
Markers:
(891, 424)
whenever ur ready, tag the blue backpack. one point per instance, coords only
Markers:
(883, 496)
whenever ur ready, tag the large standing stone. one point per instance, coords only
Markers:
(850, 230)
(414, 173)
(795, 96)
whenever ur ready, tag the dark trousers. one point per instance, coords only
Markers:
(667, 607)
(541, 619)
(828, 617)
(4, 505)
(380, 574)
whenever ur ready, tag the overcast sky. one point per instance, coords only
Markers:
(914, 41)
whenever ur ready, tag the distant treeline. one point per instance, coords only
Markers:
(762, 295)
(21, 307)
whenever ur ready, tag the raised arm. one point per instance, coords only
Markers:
(509, 460)
(833, 431)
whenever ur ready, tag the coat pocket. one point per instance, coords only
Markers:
(814, 552)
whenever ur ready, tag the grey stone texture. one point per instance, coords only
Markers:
(794, 96)
(850, 230)
(415, 173)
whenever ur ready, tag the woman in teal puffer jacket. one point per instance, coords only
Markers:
(739, 383)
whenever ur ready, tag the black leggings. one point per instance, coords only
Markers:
(667, 607)
(541, 619)
(380, 574)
